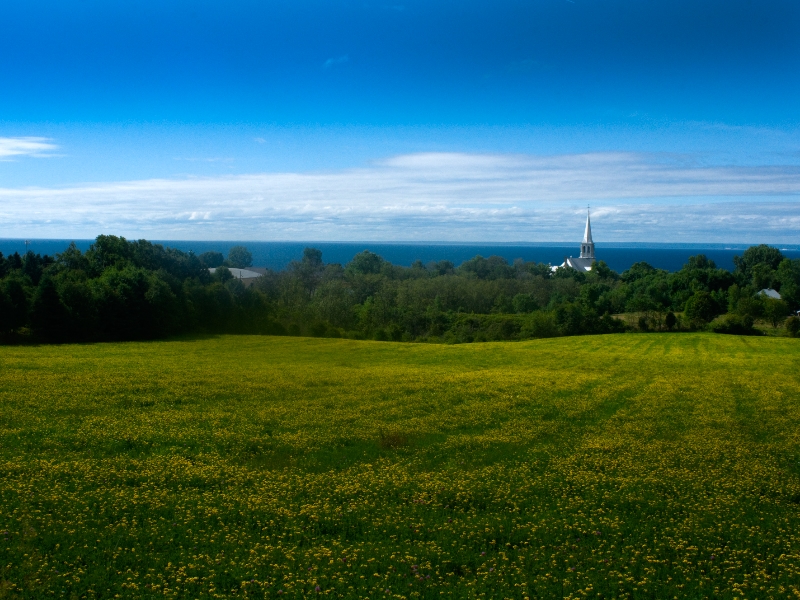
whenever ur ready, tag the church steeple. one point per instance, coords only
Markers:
(587, 259)
(587, 246)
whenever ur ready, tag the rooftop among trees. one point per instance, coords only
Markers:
(122, 289)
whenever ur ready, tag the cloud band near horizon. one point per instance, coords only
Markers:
(434, 196)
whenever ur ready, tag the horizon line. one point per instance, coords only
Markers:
(719, 245)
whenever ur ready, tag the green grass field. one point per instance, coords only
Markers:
(636, 466)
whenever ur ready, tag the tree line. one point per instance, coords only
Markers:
(128, 290)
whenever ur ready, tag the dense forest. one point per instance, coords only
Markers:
(125, 290)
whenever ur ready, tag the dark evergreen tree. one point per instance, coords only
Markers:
(48, 314)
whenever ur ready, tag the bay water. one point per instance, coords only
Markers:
(277, 255)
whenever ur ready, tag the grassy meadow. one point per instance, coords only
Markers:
(623, 466)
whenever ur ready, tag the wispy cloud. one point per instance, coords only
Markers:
(338, 60)
(25, 146)
(435, 196)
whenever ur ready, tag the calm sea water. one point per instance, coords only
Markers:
(276, 255)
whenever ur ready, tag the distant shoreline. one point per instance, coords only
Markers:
(665, 245)
(277, 255)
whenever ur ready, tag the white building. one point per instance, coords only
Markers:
(586, 260)
(770, 293)
(246, 276)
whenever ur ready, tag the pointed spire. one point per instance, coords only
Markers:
(587, 235)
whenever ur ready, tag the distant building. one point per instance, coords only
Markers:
(586, 260)
(770, 293)
(246, 276)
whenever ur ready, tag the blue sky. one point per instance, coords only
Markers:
(438, 120)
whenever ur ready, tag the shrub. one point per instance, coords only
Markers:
(608, 324)
(793, 326)
(775, 311)
(395, 332)
(540, 325)
(318, 329)
(735, 325)
(700, 308)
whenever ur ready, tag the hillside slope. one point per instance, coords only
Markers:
(625, 466)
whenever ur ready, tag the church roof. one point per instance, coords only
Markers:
(579, 264)
(587, 235)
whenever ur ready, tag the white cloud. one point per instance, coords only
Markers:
(433, 196)
(338, 60)
(25, 146)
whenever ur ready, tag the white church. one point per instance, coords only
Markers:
(586, 260)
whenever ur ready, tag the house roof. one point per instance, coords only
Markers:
(240, 273)
(770, 293)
